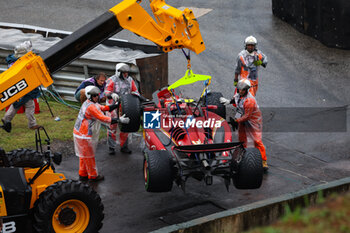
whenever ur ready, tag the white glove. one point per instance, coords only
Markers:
(135, 93)
(124, 119)
(224, 101)
(115, 97)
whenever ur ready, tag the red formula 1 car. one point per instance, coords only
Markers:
(186, 138)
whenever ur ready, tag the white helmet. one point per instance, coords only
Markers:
(243, 84)
(250, 40)
(121, 67)
(90, 90)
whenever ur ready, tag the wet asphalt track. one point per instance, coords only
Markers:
(301, 73)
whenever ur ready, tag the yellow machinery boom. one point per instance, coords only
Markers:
(172, 29)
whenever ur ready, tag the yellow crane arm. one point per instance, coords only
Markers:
(172, 29)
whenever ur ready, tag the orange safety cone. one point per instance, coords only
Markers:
(37, 107)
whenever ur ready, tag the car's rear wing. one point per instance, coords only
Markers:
(217, 147)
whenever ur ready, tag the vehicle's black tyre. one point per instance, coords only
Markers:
(130, 106)
(158, 169)
(25, 158)
(213, 98)
(250, 170)
(68, 206)
(4, 162)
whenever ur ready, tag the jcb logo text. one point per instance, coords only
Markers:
(13, 90)
(8, 227)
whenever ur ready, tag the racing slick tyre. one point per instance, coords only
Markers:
(250, 170)
(213, 98)
(130, 106)
(158, 171)
(68, 206)
(25, 158)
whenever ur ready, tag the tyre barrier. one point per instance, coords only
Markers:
(325, 20)
(258, 213)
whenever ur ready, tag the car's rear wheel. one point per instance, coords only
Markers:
(213, 98)
(158, 169)
(68, 206)
(249, 173)
(130, 106)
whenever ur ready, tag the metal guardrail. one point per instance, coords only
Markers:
(47, 32)
(152, 69)
(69, 78)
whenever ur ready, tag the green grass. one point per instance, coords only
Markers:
(23, 137)
(328, 215)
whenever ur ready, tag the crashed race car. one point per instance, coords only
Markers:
(187, 138)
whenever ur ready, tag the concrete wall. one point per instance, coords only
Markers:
(259, 213)
(325, 20)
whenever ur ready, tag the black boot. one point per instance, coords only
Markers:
(125, 150)
(83, 178)
(97, 178)
(6, 125)
(111, 151)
